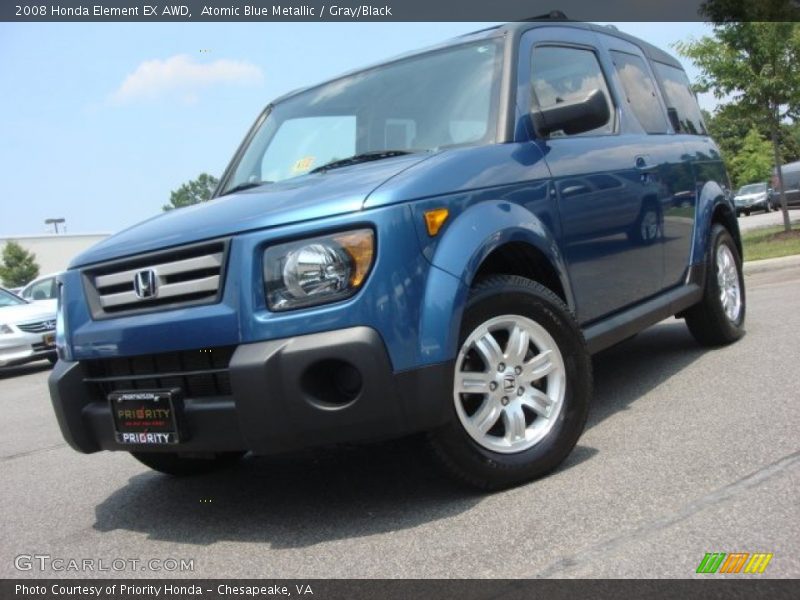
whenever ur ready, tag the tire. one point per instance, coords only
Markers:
(173, 464)
(498, 458)
(711, 322)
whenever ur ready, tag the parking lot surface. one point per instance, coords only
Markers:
(762, 219)
(687, 451)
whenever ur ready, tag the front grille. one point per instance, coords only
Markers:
(181, 276)
(38, 327)
(199, 373)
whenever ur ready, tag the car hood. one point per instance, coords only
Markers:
(25, 313)
(304, 198)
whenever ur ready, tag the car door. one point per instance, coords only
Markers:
(700, 155)
(673, 180)
(606, 181)
(791, 182)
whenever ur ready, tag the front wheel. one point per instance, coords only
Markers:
(719, 317)
(521, 386)
(174, 464)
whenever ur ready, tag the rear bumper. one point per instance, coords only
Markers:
(286, 394)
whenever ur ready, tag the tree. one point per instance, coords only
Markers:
(790, 142)
(729, 125)
(757, 62)
(728, 128)
(753, 162)
(19, 266)
(193, 192)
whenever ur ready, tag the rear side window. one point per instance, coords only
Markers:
(679, 96)
(566, 75)
(42, 290)
(640, 91)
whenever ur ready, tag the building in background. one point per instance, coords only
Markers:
(54, 252)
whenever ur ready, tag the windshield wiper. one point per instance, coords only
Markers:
(244, 186)
(360, 158)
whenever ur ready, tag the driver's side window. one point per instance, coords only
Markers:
(565, 74)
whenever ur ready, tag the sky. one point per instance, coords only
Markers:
(99, 121)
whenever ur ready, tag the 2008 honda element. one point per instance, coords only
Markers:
(437, 243)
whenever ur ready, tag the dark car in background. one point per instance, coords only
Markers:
(791, 184)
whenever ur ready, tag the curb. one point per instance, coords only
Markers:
(771, 264)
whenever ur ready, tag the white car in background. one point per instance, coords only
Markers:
(42, 290)
(27, 330)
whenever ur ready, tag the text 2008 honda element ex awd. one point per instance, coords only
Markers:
(434, 244)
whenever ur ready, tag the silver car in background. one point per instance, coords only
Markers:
(753, 197)
(27, 331)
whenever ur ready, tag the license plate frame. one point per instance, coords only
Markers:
(147, 417)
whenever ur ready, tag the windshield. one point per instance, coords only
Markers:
(753, 188)
(426, 102)
(9, 299)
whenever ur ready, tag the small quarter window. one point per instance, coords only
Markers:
(680, 98)
(640, 91)
(561, 74)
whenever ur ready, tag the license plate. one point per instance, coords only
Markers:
(49, 340)
(149, 417)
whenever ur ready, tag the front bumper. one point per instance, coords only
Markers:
(21, 348)
(742, 205)
(285, 394)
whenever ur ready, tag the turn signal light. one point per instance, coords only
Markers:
(434, 219)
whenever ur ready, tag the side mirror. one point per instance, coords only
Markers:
(573, 117)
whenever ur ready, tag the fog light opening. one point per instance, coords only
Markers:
(332, 383)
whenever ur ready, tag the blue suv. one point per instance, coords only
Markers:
(434, 244)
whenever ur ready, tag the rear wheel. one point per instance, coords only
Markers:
(521, 386)
(174, 464)
(719, 317)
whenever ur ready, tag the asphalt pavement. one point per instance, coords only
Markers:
(687, 451)
(762, 219)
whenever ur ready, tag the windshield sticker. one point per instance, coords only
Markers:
(303, 164)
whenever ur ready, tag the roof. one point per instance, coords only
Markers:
(498, 31)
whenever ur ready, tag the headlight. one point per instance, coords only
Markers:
(317, 270)
(5, 329)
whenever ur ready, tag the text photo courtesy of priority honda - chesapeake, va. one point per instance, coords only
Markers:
(347, 301)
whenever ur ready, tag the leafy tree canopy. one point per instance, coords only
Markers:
(752, 59)
(19, 266)
(192, 192)
(753, 163)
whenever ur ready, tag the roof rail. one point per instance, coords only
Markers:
(553, 15)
